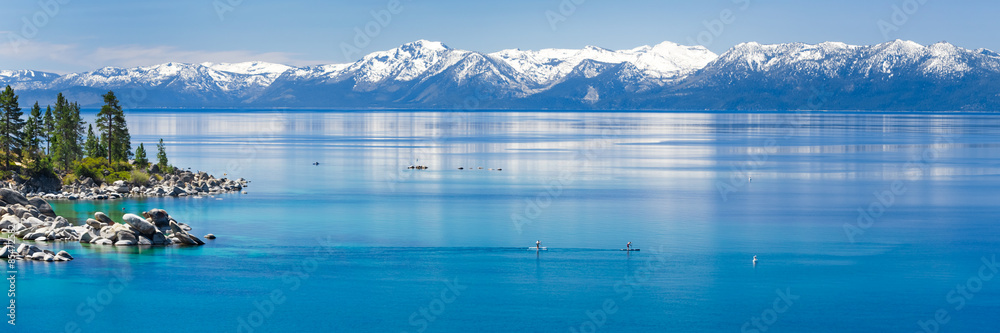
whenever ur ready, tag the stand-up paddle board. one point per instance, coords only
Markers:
(538, 248)
(631, 249)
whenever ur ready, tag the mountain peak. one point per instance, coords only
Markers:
(595, 48)
(900, 44)
(425, 44)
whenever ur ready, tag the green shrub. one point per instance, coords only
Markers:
(82, 171)
(122, 166)
(69, 179)
(139, 178)
(116, 176)
(95, 167)
(94, 163)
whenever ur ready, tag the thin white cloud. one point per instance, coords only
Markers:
(35, 51)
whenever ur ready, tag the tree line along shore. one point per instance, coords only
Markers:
(56, 154)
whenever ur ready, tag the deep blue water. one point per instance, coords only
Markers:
(360, 244)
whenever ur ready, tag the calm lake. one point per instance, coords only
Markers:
(860, 221)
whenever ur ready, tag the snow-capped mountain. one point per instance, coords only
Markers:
(242, 79)
(897, 75)
(26, 79)
(664, 62)
(839, 60)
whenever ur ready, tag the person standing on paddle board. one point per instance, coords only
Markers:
(628, 246)
(538, 244)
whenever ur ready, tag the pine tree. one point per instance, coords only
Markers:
(114, 130)
(93, 145)
(48, 126)
(33, 131)
(161, 155)
(11, 125)
(67, 132)
(140, 156)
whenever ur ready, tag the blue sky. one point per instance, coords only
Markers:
(85, 35)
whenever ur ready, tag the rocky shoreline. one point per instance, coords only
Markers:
(178, 184)
(34, 220)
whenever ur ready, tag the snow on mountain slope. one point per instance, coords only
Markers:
(319, 73)
(241, 79)
(26, 79)
(405, 63)
(665, 61)
(837, 60)
(249, 68)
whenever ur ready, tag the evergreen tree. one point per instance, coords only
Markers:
(33, 131)
(11, 125)
(48, 127)
(68, 131)
(161, 155)
(114, 130)
(140, 156)
(93, 145)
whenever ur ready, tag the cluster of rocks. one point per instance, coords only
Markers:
(33, 228)
(179, 184)
(481, 168)
(23, 251)
(21, 217)
(34, 219)
(156, 227)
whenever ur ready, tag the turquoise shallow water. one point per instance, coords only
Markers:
(359, 243)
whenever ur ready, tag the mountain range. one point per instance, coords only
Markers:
(895, 76)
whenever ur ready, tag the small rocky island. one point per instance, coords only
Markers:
(156, 227)
(34, 220)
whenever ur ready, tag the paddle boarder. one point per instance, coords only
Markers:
(538, 245)
(628, 246)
